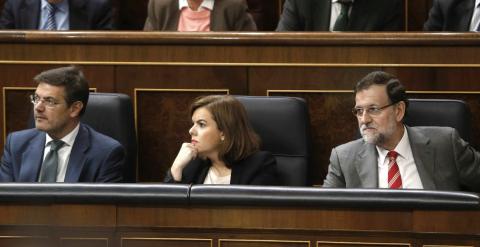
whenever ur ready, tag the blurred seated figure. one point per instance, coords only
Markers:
(224, 148)
(341, 15)
(57, 15)
(454, 16)
(264, 13)
(393, 155)
(198, 15)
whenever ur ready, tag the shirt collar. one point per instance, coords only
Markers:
(477, 2)
(208, 4)
(62, 6)
(402, 147)
(69, 139)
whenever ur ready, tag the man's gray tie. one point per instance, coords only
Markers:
(51, 23)
(341, 24)
(48, 173)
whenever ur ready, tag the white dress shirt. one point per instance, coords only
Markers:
(206, 4)
(63, 152)
(475, 17)
(61, 15)
(336, 9)
(405, 162)
(213, 178)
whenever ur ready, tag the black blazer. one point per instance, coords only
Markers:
(366, 15)
(450, 15)
(84, 14)
(258, 169)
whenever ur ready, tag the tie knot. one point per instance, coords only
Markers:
(392, 155)
(51, 7)
(55, 145)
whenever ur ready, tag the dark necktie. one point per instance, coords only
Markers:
(51, 23)
(341, 24)
(394, 178)
(48, 173)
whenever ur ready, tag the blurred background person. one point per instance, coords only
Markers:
(454, 16)
(57, 15)
(341, 15)
(198, 15)
(224, 148)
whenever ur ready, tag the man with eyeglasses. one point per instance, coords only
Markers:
(393, 155)
(60, 148)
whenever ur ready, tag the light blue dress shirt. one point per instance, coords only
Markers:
(61, 15)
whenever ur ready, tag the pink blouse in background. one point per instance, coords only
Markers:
(196, 21)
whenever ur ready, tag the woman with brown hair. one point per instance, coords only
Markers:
(224, 148)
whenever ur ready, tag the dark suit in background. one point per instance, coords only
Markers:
(227, 15)
(258, 169)
(83, 14)
(366, 15)
(94, 157)
(444, 161)
(450, 15)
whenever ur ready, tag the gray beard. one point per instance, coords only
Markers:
(375, 139)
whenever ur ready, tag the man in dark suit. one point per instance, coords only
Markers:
(393, 155)
(60, 148)
(453, 15)
(321, 15)
(69, 14)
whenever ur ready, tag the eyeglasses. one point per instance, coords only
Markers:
(48, 102)
(372, 110)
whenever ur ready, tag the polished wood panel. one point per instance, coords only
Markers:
(25, 214)
(165, 242)
(265, 218)
(84, 215)
(81, 242)
(360, 244)
(25, 241)
(193, 225)
(261, 243)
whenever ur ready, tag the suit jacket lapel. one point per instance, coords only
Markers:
(320, 15)
(366, 165)
(32, 159)
(77, 155)
(30, 14)
(78, 15)
(423, 154)
(465, 11)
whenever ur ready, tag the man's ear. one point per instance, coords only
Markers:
(76, 108)
(400, 111)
